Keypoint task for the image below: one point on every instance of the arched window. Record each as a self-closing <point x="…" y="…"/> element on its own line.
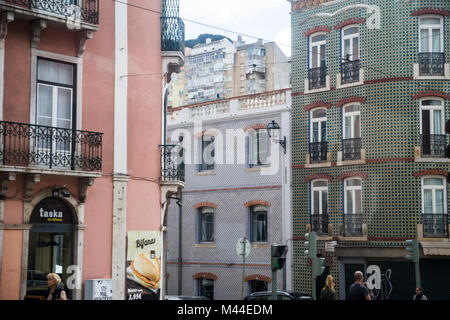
<point x="319" y="206"/>
<point x="318" y="146"/>
<point x="353" y="216"/>
<point x="317" y="71"/>
<point x="432" y="127"/>
<point x="351" y="135"/>
<point x="434" y="216"/>
<point x="431" y="46"/>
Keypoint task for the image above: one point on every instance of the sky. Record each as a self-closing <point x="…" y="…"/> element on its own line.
<point x="266" y="19"/>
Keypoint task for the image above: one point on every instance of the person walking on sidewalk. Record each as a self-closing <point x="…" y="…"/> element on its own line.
<point x="328" y="292"/>
<point x="357" y="290"/>
<point x="419" y="295"/>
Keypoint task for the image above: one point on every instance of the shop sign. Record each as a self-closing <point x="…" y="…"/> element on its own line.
<point x="51" y="210"/>
<point x="143" y="265"/>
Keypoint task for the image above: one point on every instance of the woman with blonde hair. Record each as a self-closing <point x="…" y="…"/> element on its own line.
<point x="328" y="292"/>
<point x="55" y="289"/>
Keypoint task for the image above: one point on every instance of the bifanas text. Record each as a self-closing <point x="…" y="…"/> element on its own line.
<point x="141" y="243"/>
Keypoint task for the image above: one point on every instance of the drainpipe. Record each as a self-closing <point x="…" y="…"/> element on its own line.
<point x="180" y="243"/>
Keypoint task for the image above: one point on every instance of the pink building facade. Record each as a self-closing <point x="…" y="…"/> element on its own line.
<point x="82" y="88"/>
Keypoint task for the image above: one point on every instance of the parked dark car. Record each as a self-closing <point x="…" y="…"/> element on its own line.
<point x="281" y="295"/>
<point x="186" y="298"/>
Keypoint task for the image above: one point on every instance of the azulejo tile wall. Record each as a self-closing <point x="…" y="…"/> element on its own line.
<point x="390" y="122"/>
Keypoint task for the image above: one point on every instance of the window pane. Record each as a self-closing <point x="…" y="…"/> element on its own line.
<point x="316" y="201"/>
<point x="358" y="201"/>
<point x="324" y="131"/>
<point x="436" y="40"/>
<point x="262" y="146"/>
<point x="424" y="40"/>
<point x="349" y="203"/>
<point x="56" y="72"/>
<point x="314" y="56"/>
<point x="348" y="129"/>
<point x="426" y="122"/>
<point x="320" y="37"/>
<point x="320" y="113"/>
<point x="433" y="182"/>
<point x="207" y="225"/>
<point x="437" y="122"/>
<point x="259" y="226"/>
<point x="64" y="106"/>
<point x="347" y="48"/>
<point x="315" y="136"/>
<point x="430" y="21"/>
<point x="352" y="108"/>
<point x="357" y="125"/>
<point x="440" y="201"/>
<point x="355" y="49"/>
<point x="322" y="55"/>
<point x="428" y="201"/>
<point x="44" y="101"/>
<point x="431" y="103"/>
<point x="353" y="182"/>
<point x="320" y="183"/>
<point x="349" y="31"/>
<point x="324" y="202"/>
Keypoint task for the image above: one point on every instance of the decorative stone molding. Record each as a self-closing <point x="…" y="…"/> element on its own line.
<point x="84" y="184"/>
<point x="36" y="27"/>
<point x="259" y="277"/>
<point x="29" y="181"/>
<point x="317" y="105"/>
<point x="5" y="18"/>
<point x="5" y="178"/>
<point x="350" y="22"/>
<point x="352" y="174"/>
<point x="202" y="275"/>
<point x="355" y="99"/>
<point x="317" y="176"/>
<point x="257" y="202"/>
<point x="317" y="29"/>
<point x="431" y="93"/>
<point x="205" y="204"/>
<point x="82" y="37"/>
<point x="431" y="172"/>
<point x="422" y="11"/>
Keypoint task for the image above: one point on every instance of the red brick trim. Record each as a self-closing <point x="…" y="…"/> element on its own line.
<point x="350" y="100"/>
<point x="390" y="160"/>
<point x="317" y="29"/>
<point x="256" y="126"/>
<point x="350" y="21"/>
<point x="352" y="174"/>
<point x="205" y="204"/>
<point x="431" y="93"/>
<point x="318" y="104"/>
<point x="258" y="277"/>
<point x="316" y="176"/>
<point x="234" y="189"/>
<point x="431" y="172"/>
<point x="202" y="275"/>
<point x="423" y="11"/>
<point x="257" y="202"/>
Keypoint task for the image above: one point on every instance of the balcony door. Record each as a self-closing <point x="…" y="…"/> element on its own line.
<point x="318" y="135"/>
<point x="434" y="207"/>
<point x="432" y="127"/>
<point x="54" y="113"/>
<point x="319" y="206"/>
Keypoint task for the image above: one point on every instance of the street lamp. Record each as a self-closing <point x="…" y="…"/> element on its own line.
<point x="273" y="130"/>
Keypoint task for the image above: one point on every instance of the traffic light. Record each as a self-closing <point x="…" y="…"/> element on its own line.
<point x="412" y="246"/>
<point x="318" y="266"/>
<point x="311" y="245"/>
<point x="278" y="256"/>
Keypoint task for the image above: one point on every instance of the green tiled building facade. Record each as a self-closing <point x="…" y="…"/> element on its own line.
<point x="370" y="91"/>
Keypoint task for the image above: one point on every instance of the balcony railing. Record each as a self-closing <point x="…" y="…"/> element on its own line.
<point x="435" y="225"/>
<point x="30" y="145"/>
<point x="86" y="11"/>
<point x="351" y="149"/>
<point x="319" y="223"/>
<point x="353" y="224"/>
<point x="431" y="64"/>
<point x="318" y="151"/>
<point x="350" y="71"/>
<point x="172" y="164"/>
<point x="317" y="78"/>
<point x="433" y="145"/>
<point x="172" y="34"/>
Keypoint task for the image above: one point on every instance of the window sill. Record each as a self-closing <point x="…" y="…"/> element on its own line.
<point x="323" y="237"/>
<point x="205" y="245"/>
<point x="308" y="163"/>
<point x="446" y="75"/>
<point x="339" y="85"/>
<point x="418" y="157"/>
<point x="326" y="88"/>
<point x="341" y="162"/>
<point x="205" y="173"/>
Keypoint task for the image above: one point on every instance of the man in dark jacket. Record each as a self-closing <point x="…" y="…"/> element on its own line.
<point x="357" y="290"/>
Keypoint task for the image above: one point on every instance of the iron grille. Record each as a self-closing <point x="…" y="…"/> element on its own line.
<point x="353" y="223"/>
<point x="172" y="34"/>
<point x="318" y="151"/>
<point x="26" y="145"/>
<point x="433" y="145"/>
<point x="351" y="149"/>
<point x="435" y="225"/>
<point x="350" y="71"/>
<point x="431" y="64"/>
<point x="172" y="164"/>
<point x="319" y="223"/>
<point x="85" y="10"/>
<point x="317" y="78"/>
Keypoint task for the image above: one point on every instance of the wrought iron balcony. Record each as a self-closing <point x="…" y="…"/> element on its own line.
<point x="350" y="71"/>
<point x="172" y="34"/>
<point x="353" y="224"/>
<point x="30" y="145"/>
<point x="318" y="151"/>
<point x="172" y="164"/>
<point x="435" y="225"/>
<point x="317" y="78"/>
<point x="433" y="145"/>
<point x="431" y="64"/>
<point x="319" y="223"/>
<point x="86" y="11"/>
<point x="351" y="149"/>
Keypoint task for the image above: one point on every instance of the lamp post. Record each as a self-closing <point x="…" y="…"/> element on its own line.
<point x="273" y="130"/>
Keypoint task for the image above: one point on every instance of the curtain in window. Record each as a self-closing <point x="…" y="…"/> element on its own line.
<point x="262" y="147"/>
<point x="436" y="40"/>
<point x="428" y="201"/>
<point x="207" y="226"/>
<point x="437" y="123"/>
<point x="259" y="224"/>
<point x="424" y="40"/>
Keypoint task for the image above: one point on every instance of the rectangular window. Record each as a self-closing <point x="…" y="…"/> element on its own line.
<point x="207" y="153"/>
<point x="206" y="288"/>
<point x="258" y="224"/>
<point x="350" y="55"/>
<point x="206" y="224"/>
<point x="433" y="138"/>
<point x="431" y="46"/>
<point x="258" y="142"/>
<point x="351" y="142"/>
<point x="319" y="206"/>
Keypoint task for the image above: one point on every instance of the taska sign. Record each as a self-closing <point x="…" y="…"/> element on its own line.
<point x="51" y="216"/>
<point x="51" y="210"/>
